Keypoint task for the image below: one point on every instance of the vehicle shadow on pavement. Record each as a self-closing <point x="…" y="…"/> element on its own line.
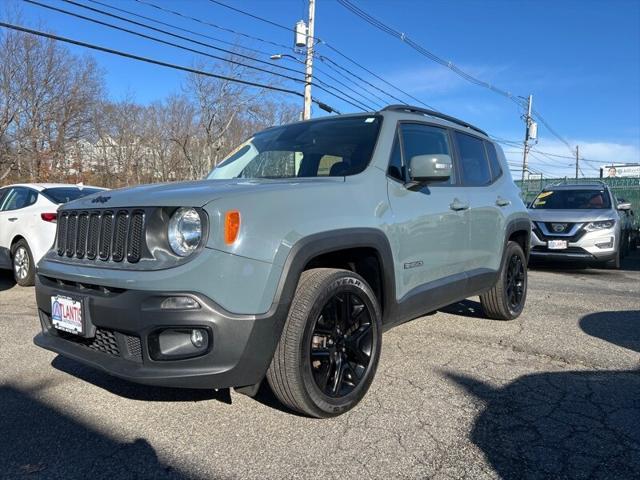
<point x="134" y="391"/>
<point x="7" y="281"/>
<point x="621" y="328"/>
<point x="465" y="308"/>
<point x="40" y="441"/>
<point x="578" y="424"/>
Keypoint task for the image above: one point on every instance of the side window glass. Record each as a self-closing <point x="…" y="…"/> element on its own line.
<point x="494" y="163"/>
<point x="396" y="169"/>
<point x="3" y="194"/>
<point x="17" y="198"/>
<point x="475" y="166"/>
<point x="425" y="140"/>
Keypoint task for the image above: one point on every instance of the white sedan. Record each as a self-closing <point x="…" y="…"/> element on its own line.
<point x="28" y="223"/>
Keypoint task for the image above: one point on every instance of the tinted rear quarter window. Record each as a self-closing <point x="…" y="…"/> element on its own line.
<point x="67" y="194"/>
<point x="473" y="159"/>
<point x="494" y="163"/>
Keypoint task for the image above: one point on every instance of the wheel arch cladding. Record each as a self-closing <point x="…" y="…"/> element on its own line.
<point x="363" y="250"/>
<point x="519" y="231"/>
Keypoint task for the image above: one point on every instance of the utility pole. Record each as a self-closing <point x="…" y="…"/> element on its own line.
<point x="308" y="76"/>
<point x="577" y="159"/>
<point x="527" y="122"/>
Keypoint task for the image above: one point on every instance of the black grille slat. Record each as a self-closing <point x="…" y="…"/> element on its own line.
<point x="71" y="234"/>
<point x="81" y="239"/>
<point x="110" y="235"/>
<point x="136" y="231"/>
<point x="92" y="236"/>
<point x="106" y="232"/>
<point x="62" y="233"/>
<point x="120" y="236"/>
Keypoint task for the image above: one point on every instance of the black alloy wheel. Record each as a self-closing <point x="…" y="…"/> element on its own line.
<point x="515" y="281"/>
<point x="341" y="344"/>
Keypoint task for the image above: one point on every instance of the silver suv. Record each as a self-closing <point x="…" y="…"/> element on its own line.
<point x="290" y="259"/>
<point x="579" y="222"/>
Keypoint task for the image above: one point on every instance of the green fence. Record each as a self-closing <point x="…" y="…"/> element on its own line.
<point x="623" y="187"/>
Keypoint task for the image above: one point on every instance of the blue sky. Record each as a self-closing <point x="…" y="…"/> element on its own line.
<point x="580" y="60"/>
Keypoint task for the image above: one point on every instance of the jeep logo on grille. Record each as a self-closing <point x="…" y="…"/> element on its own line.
<point x="559" y="227"/>
<point x="100" y="199"/>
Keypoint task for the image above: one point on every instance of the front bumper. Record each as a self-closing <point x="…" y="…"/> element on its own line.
<point x="240" y="355"/>
<point x="586" y="247"/>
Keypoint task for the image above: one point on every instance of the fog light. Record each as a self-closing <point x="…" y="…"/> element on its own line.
<point x="198" y="337"/>
<point x="179" y="343"/>
<point x="179" y="303"/>
<point x="609" y="244"/>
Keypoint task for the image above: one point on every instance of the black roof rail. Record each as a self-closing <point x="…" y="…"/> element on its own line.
<point x="432" y="113"/>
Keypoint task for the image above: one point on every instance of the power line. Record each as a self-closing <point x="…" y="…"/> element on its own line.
<point x="182" y="47"/>
<point x="186" y="30"/>
<point x="448" y="64"/>
<point x="159" y="30"/>
<point x="420" y="49"/>
<point x="256" y="17"/>
<point x="322" y="42"/>
<point x="157" y="62"/>
<point x="213" y="25"/>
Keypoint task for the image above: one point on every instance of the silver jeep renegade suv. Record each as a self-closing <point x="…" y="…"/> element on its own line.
<point x="577" y="222"/>
<point x="289" y="261"/>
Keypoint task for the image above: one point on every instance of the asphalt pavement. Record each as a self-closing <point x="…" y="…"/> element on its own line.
<point x="554" y="394"/>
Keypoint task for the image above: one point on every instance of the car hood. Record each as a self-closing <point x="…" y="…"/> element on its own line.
<point x="570" y="216"/>
<point x="188" y="194"/>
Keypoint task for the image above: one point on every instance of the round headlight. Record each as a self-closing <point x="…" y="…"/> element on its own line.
<point x="185" y="231"/>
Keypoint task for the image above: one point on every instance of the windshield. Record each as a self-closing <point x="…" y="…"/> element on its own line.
<point x="322" y="148"/>
<point x="572" y="200"/>
<point x="67" y="194"/>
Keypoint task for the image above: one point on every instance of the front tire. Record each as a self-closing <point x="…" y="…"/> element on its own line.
<point x="24" y="270"/>
<point x="330" y="345"/>
<point x="505" y="301"/>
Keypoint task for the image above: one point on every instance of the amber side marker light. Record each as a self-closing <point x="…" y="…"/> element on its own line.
<point x="231" y="226"/>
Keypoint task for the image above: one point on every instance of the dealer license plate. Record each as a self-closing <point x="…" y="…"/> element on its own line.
<point x="66" y="314"/>
<point x="557" y="244"/>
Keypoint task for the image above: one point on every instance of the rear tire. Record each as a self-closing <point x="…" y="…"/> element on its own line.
<point x="506" y="299"/>
<point x="24" y="270"/>
<point x="328" y="353"/>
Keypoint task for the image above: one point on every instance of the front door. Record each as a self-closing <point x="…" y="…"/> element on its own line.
<point x="430" y="233"/>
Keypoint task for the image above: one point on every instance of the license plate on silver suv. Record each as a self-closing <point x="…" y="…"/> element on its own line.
<point x="557" y="244"/>
<point x="66" y="314"/>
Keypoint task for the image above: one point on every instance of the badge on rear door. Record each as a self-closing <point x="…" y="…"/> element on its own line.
<point x="66" y="314"/>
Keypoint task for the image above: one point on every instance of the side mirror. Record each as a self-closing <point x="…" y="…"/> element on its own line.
<point x="430" y="168"/>
<point x="624" y="206"/>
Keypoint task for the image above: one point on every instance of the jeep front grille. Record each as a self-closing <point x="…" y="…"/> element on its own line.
<point x="109" y="235"/>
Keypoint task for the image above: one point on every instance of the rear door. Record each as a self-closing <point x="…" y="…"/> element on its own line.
<point x="481" y="176"/>
<point x="15" y="217"/>
<point x="430" y="231"/>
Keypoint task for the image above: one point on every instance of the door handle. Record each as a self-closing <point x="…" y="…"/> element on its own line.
<point x="502" y="202"/>
<point x="13" y="219"/>
<point x="457" y="205"/>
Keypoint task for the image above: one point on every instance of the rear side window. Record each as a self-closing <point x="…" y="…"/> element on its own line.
<point x="67" y="194"/>
<point x="425" y="140"/>
<point x="18" y="198"/>
<point x="494" y="163"/>
<point x="474" y="162"/>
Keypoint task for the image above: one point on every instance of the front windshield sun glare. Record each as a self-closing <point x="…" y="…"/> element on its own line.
<point x="333" y="147"/>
